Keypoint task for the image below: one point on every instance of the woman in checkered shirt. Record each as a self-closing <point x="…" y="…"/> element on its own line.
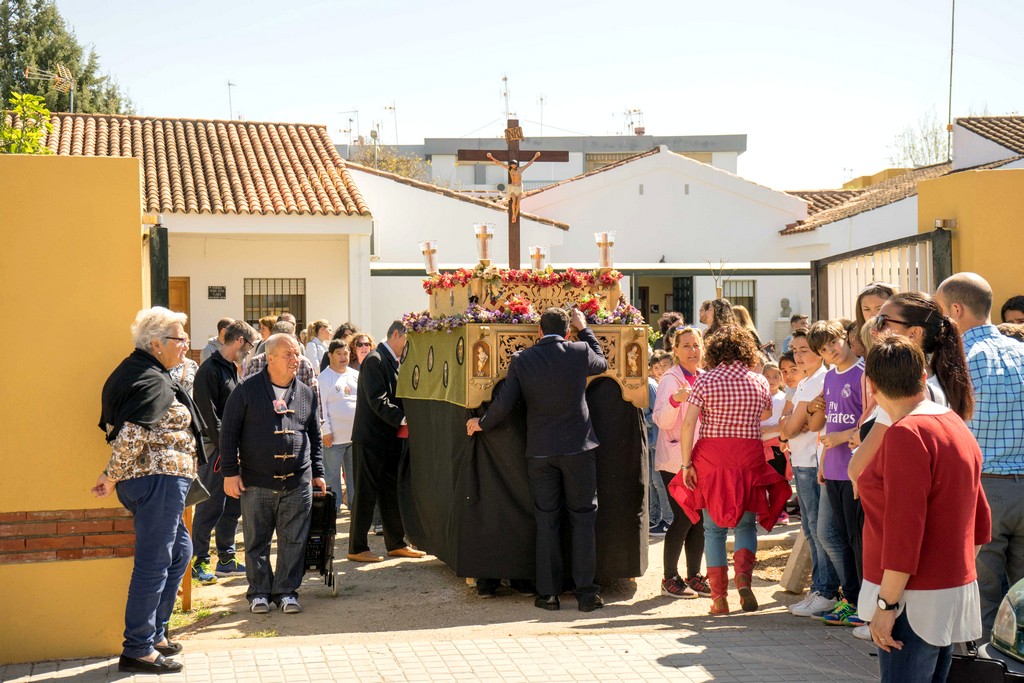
<point x="725" y="473"/>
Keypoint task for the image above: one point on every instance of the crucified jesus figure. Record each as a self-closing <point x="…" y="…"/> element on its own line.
<point x="515" y="178"/>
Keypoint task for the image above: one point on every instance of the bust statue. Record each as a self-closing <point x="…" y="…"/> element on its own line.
<point x="786" y="311"/>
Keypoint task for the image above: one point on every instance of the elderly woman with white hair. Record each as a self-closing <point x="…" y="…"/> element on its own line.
<point x="154" y="431"/>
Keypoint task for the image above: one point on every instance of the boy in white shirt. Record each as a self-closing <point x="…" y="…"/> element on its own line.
<point x="799" y="427"/>
<point x="338" y="383"/>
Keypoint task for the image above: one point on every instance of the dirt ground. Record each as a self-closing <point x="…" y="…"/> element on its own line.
<point x="425" y="600"/>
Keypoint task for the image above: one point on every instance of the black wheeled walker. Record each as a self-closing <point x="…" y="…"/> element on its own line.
<point x="320" y="542"/>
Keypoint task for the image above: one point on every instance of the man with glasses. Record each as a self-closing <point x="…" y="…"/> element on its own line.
<point x="996" y="365"/>
<point x="215" y="380"/>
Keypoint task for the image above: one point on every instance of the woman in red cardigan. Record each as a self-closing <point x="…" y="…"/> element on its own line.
<point x="925" y="516"/>
<point x="725" y="473"/>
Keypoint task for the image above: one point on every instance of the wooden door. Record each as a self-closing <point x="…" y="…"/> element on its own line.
<point x="178" y="299"/>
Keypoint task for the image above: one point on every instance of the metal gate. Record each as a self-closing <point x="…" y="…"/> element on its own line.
<point x="916" y="263"/>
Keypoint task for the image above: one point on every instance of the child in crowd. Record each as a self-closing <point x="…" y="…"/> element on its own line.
<point x="659" y="363"/>
<point x="799" y="427"/>
<point x="791" y="374"/>
<point x="770" y="427"/>
<point x="843" y="409"/>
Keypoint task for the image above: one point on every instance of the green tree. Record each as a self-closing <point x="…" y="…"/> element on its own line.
<point x="32" y="122"/>
<point x="33" y="34"/>
<point x="388" y="159"/>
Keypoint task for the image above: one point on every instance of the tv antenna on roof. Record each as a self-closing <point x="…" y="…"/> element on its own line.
<point x="505" y="95"/>
<point x="62" y="80"/>
<point x="231" y="112"/>
<point x="634" y="121"/>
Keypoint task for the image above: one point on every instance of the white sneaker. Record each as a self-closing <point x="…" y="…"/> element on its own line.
<point x="290" y="605"/>
<point x="816" y="607"/>
<point x="862" y="632"/>
<point x="259" y="606"/>
<point x="803" y="602"/>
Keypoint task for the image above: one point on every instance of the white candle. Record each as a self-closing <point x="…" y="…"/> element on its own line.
<point x="538" y="255"/>
<point x="484" y="235"/>
<point x="429" y="251"/>
<point x="605" y="242"/>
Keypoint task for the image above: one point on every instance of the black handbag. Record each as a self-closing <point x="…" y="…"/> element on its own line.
<point x="197" y="493"/>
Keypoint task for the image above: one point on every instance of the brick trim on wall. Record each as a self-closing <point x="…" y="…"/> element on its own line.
<point x="53" y="535"/>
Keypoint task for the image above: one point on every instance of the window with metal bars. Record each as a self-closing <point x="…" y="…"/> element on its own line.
<point x="742" y="293"/>
<point x="273" y="296"/>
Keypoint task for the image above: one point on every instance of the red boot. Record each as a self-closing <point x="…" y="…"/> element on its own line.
<point x="718" y="577"/>
<point x="743" y="566"/>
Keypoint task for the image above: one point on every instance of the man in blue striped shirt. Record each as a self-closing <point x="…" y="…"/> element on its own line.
<point x="996" y="365"/>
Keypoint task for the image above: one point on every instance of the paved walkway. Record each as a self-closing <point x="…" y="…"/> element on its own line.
<point x="730" y="655"/>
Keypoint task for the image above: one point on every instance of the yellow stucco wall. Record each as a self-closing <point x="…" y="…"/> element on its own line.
<point x="71" y="281"/>
<point x="989" y="237"/>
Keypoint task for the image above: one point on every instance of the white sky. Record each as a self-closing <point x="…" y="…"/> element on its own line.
<point x="820" y="87"/>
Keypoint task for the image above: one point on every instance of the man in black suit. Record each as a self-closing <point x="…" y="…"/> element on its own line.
<point x="560" y="442"/>
<point x="377" y="449"/>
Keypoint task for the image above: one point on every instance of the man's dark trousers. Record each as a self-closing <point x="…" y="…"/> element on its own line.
<point x="376" y="482"/>
<point x="569" y="482"/>
<point x="219" y="514"/>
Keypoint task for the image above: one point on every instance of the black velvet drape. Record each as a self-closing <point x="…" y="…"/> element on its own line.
<point x="467" y="500"/>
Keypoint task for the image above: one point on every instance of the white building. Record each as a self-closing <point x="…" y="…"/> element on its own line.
<point x="407" y="212"/>
<point x="261" y="217"/>
<point x="673" y="215"/>
<point x="458" y="163"/>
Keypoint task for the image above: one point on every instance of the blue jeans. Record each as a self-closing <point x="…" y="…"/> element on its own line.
<point x="338" y="462"/>
<point x="811" y="494"/>
<point x="219" y="513"/>
<point x="917" y="662"/>
<point x="659" y="508"/>
<point x="163" y="551"/>
<point x="1001" y="562"/>
<point x="714" y="538"/>
<point x="287" y="512"/>
<point x="829" y="536"/>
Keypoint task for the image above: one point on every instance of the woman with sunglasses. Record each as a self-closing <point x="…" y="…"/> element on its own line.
<point x="360" y="347"/>
<point x="916" y="316"/>
<point x="155" y="435"/>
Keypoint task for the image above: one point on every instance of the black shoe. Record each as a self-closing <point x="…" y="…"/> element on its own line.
<point x="161" y="665"/>
<point x="168" y="650"/>
<point x="486" y="591"/>
<point x="548" y="602"/>
<point x="523" y="587"/>
<point x="591" y="604"/>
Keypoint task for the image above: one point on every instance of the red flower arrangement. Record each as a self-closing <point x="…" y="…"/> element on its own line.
<point x="445" y="281"/>
<point x="569" y="278"/>
<point x="517" y="306"/>
<point x="590" y="306"/>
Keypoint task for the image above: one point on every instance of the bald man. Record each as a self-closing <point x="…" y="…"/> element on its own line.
<point x="996" y="365"/>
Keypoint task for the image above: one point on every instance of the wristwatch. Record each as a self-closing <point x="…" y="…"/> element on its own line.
<point x="886" y="606"/>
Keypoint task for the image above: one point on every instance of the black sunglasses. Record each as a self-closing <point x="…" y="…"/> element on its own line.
<point x="881" y="320"/>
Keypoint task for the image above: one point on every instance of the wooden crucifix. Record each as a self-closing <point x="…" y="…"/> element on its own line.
<point x="514" y="189"/>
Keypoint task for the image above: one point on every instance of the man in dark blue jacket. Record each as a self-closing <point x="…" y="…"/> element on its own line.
<point x="551" y="377"/>
<point x="270" y="454"/>
<point x="215" y="380"/>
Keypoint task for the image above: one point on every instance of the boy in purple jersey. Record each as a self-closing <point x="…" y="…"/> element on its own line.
<point x="843" y="407"/>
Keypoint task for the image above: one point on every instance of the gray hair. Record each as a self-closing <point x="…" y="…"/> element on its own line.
<point x="154" y="324"/>
<point x="283" y="327"/>
<point x="275" y="341"/>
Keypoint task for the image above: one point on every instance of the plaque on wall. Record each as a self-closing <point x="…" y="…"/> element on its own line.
<point x="217" y="292"/>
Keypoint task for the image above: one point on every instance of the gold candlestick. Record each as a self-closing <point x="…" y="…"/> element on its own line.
<point x="605" y="242"/>
<point x="538" y="256"/>
<point x="484" y="235"/>
<point x="429" y="251"/>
